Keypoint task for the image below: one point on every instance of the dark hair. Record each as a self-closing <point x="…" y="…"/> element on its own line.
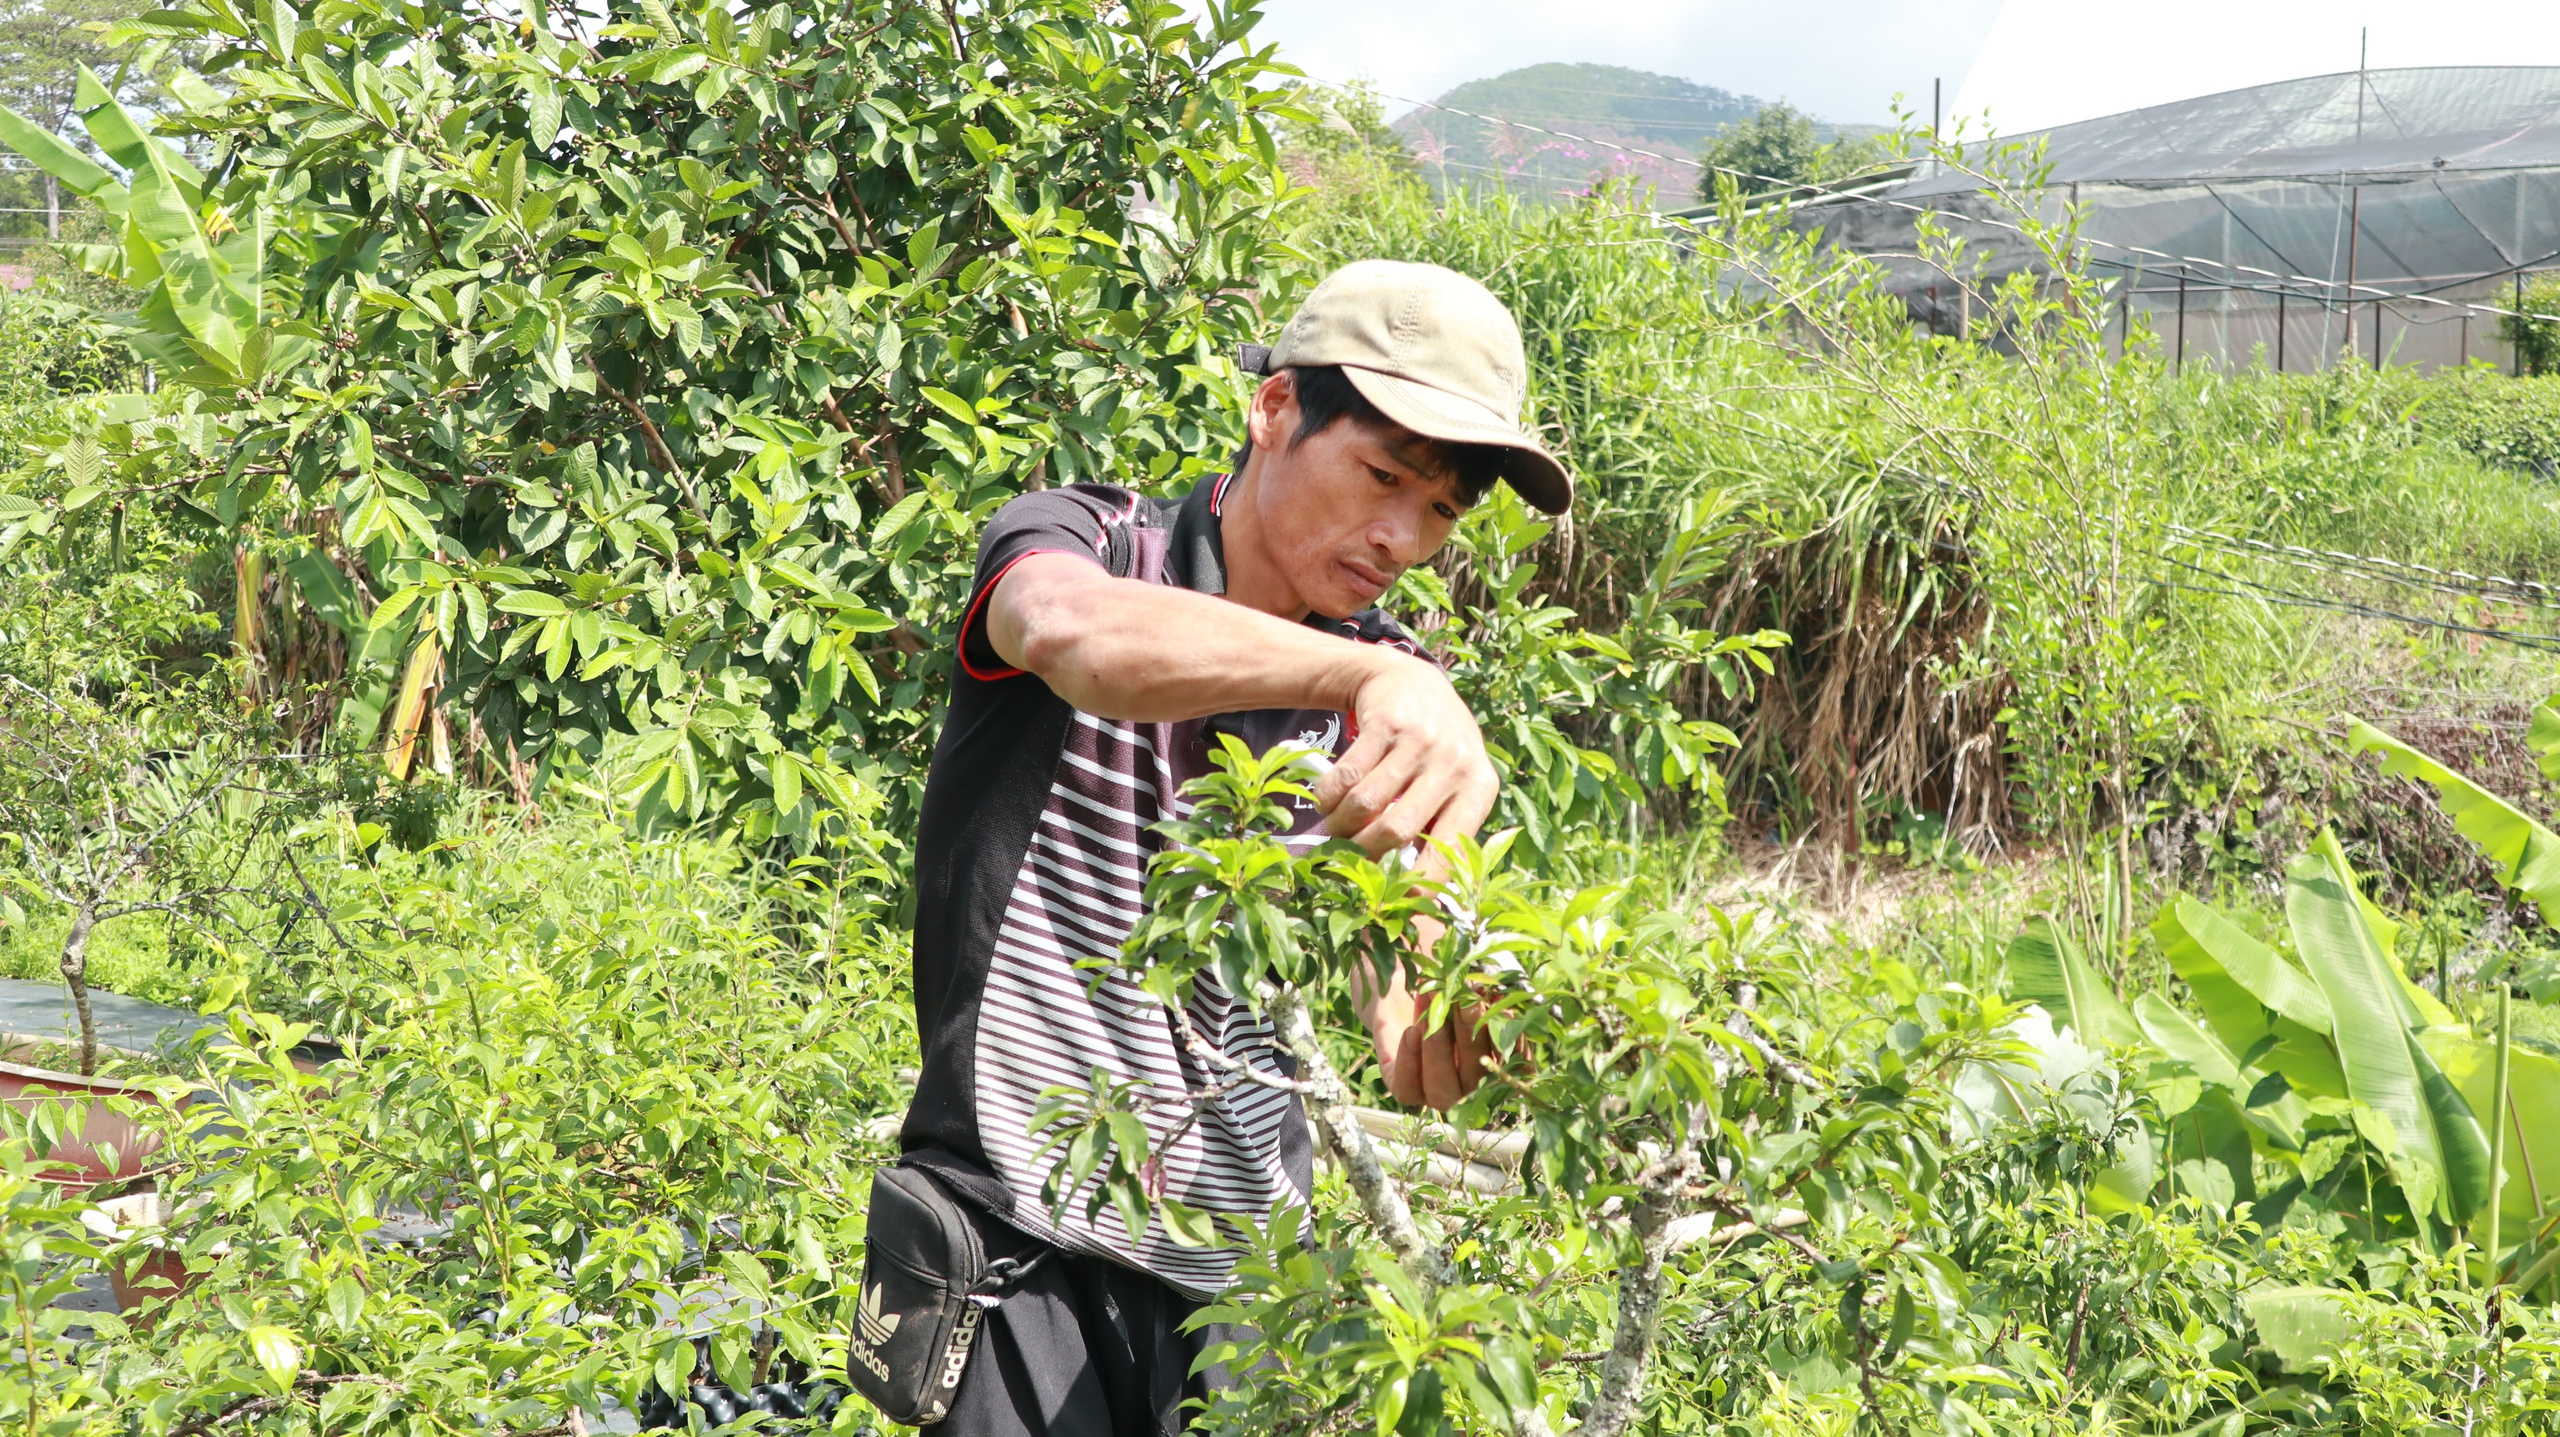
<point x="1326" y="396"/>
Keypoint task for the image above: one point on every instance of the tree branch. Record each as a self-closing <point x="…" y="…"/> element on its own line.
<point x="1641" y="1285"/>
<point x="1329" y="1107"/>
<point x="659" y="454"/>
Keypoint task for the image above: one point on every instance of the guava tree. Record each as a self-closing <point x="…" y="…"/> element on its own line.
<point x="648" y="369"/>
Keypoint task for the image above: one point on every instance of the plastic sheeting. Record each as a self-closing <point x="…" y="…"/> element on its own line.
<point x="2289" y="222"/>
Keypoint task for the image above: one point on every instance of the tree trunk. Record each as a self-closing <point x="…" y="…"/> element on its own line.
<point x="75" y="973"/>
<point x="1329" y="1108"/>
<point x="1641" y="1285"/>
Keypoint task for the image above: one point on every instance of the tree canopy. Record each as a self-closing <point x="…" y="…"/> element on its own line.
<point x="653" y="375"/>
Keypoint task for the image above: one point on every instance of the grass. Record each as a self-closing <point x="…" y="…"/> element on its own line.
<point x="133" y="956"/>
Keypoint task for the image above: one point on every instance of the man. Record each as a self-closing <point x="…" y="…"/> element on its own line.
<point x="1108" y="641"/>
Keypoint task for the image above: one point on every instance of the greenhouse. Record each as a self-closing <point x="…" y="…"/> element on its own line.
<point x="2387" y="214"/>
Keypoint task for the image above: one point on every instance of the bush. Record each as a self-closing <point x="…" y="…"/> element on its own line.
<point x="2513" y="422"/>
<point x="2537" y="341"/>
<point x="594" y="1093"/>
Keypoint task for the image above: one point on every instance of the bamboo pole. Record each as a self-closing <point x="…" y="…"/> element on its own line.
<point x="2498" y="1132"/>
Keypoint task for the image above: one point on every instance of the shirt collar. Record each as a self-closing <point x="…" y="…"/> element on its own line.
<point x="1197" y="552"/>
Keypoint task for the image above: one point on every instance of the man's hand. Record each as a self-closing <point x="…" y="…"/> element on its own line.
<point x="1418" y="769"/>
<point x="1435" y="1070"/>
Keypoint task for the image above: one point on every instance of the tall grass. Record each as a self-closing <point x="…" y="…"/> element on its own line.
<point x="1960" y="533"/>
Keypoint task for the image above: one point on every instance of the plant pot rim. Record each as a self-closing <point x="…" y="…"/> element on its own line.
<point x="54" y="1077"/>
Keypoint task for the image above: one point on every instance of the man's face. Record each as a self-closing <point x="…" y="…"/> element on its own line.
<point x="1349" y="509"/>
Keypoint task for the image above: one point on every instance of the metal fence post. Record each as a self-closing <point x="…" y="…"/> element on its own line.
<point x="2179" y="364"/>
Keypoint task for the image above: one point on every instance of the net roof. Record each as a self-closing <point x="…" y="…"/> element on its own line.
<point x="2333" y="189"/>
<point x="2373" y="122"/>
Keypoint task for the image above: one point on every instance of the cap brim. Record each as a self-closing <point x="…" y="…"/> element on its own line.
<point x="1434" y="414"/>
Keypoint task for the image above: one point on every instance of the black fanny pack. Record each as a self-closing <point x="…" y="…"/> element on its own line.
<point x="926" y="1287"/>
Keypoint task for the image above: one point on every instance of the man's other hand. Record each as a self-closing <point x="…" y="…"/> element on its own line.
<point x="1418" y="768"/>
<point x="1437" y="1070"/>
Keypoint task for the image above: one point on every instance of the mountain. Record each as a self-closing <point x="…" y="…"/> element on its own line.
<point x="1635" y="108"/>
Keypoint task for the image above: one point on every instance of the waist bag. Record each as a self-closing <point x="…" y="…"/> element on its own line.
<point x="926" y="1287"/>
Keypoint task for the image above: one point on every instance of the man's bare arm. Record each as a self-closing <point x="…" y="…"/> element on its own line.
<point x="1152" y="653"/>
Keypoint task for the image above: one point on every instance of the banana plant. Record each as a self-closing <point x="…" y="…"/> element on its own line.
<point x="2297" y="1060"/>
<point x="2330" y="1050"/>
<point x="200" y="265"/>
<point x="2527" y="1102"/>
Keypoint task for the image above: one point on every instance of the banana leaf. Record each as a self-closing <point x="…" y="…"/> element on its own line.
<point x="2279" y="1121"/>
<point x="2211" y="1152"/>
<point x="2251" y="995"/>
<point x="2543" y="737"/>
<point x="2527" y="854"/>
<point x="2045" y="967"/>
<point x="2533" y="1118"/>
<point x="2438" y="1153"/>
<point x="2301" y="1325"/>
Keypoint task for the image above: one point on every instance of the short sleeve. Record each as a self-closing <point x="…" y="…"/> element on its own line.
<point x="1072" y="520"/>
<point x="1377" y="626"/>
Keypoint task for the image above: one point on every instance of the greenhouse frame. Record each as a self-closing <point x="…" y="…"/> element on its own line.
<point x="2384" y="215"/>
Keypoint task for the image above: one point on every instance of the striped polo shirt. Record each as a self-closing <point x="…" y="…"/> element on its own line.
<point x="1032" y="852"/>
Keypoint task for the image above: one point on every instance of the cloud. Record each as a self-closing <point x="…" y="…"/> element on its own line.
<point x="1845" y="62"/>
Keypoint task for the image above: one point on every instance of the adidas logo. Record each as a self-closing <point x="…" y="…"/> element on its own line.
<point x="877" y="1326"/>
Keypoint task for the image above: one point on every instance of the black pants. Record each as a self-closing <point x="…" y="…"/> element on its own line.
<point x="1080" y="1347"/>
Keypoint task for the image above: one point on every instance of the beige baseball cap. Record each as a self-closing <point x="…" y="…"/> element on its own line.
<point x="1435" y="352"/>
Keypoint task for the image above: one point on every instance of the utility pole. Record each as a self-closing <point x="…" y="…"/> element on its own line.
<point x="2364" y="40"/>
<point x="1937" y="99"/>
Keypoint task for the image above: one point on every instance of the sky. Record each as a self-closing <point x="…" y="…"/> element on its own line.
<point x="2049" y="62"/>
<point x="1845" y="68"/>
<point x="2026" y="63"/>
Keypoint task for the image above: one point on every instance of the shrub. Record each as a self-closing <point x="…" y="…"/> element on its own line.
<point x="654" y="375"/>
<point x="593" y="1095"/>
<point x="2537" y="341"/>
<point x="2513" y="422"/>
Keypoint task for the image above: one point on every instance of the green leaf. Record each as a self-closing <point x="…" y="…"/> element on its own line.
<point x="951" y="404"/>
<point x="78" y="173"/>
<point x="2441" y="1157"/>
<point x="533" y="602"/>
<point x="346" y="1303"/>
<point x="786" y="783"/>
<point x="2232" y="971"/>
<point x="2046" y="968"/>
<point x="278" y="1354"/>
<point x="2304" y="1326"/>
<point x="2527" y="854"/>
<point x="2543" y="737"/>
<point x="2177" y="1035"/>
<point x="900" y="515"/>
<point x="2252" y="997"/>
<point x="2533" y="1115"/>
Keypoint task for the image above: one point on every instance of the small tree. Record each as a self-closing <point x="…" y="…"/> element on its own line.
<point x="111" y="765"/>
<point x="1777" y="148"/>
<point x="2537" y="341"/>
<point x="655" y="369"/>
<point x="1653" y="1114"/>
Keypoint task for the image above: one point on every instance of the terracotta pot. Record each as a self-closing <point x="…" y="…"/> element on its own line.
<point x="79" y="1159"/>
<point x="145" y="1283"/>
